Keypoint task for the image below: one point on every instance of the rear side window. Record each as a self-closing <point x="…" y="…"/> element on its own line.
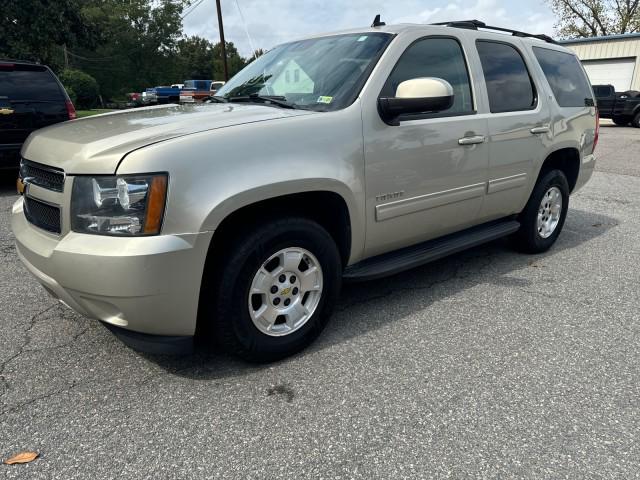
<point x="434" y="57"/>
<point x="29" y="82"/>
<point x="508" y="81"/>
<point x="566" y="78"/>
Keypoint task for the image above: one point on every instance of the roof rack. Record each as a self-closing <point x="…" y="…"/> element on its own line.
<point x="477" y="24"/>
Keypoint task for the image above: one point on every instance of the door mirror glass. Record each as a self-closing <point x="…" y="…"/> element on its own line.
<point x="418" y="95"/>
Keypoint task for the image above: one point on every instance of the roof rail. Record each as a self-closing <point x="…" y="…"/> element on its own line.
<point x="14" y="60"/>
<point x="477" y="24"/>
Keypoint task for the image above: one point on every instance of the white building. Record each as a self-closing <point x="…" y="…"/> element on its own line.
<point x="613" y="60"/>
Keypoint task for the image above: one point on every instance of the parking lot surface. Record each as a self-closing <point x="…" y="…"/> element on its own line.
<point x="487" y="364"/>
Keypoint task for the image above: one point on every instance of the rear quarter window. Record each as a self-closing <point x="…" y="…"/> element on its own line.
<point x="28" y="82"/>
<point x="566" y="78"/>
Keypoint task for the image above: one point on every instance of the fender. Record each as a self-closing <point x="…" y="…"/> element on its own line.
<point x="307" y="185"/>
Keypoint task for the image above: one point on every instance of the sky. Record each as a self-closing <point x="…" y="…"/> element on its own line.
<point x="271" y="22"/>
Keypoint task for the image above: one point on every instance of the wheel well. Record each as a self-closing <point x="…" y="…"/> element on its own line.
<point x="326" y="208"/>
<point x="568" y="161"/>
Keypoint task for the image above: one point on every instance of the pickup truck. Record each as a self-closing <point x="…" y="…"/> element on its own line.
<point x="621" y="107"/>
<point x="199" y="90"/>
<point x="162" y="95"/>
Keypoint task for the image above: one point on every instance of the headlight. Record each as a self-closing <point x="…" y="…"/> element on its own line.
<point x="128" y="205"/>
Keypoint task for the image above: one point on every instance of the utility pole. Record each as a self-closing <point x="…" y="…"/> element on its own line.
<point x="222" y="44"/>
<point x="66" y="57"/>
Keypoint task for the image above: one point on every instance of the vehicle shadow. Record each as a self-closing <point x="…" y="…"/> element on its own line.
<point x="358" y="313"/>
<point x="8" y="182"/>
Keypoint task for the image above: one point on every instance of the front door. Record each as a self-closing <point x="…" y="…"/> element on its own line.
<point x="425" y="177"/>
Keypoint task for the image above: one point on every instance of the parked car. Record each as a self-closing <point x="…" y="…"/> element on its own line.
<point x="390" y="147"/>
<point x="134" y="99"/>
<point x="31" y="97"/>
<point x="168" y="94"/>
<point x="199" y="90"/>
<point x="149" y="97"/>
<point x="621" y="107"/>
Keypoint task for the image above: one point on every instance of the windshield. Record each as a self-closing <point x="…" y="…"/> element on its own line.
<point x="320" y="74"/>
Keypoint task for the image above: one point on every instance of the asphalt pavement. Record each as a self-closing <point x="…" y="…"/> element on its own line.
<point x="487" y="364"/>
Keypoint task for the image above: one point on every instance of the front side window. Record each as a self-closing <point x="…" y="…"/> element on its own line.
<point x="438" y="58"/>
<point x="565" y="76"/>
<point x="508" y="82"/>
<point x="323" y="74"/>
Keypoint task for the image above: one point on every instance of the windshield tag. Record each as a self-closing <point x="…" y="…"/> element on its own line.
<point x="362" y="38"/>
<point x="323" y="99"/>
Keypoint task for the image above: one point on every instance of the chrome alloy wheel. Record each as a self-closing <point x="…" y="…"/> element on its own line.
<point x="285" y="291"/>
<point x="549" y="212"/>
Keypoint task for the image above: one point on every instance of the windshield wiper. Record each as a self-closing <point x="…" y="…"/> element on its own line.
<point x="274" y="99"/>
<point x="216" y="99"/>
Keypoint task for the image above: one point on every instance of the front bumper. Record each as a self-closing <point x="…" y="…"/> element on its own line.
<point x="149" y="285"/>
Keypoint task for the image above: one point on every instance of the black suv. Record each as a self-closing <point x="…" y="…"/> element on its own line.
<point x="31" y="97"/>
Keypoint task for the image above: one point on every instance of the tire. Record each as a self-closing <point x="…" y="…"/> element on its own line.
<point x="636" y="120"/>
<point x="621" y="121"/>
<point x="532" y="236"/>
<point x="240" y="273"/>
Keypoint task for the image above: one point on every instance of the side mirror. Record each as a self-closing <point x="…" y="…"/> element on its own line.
<point x="417" y="95"/>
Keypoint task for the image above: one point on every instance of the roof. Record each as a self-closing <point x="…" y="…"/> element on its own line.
<point x="408" y="27"/>
<point x="605" y="38"/>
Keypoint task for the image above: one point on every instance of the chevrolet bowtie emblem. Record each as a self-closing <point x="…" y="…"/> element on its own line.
<point x="6" y="111"/>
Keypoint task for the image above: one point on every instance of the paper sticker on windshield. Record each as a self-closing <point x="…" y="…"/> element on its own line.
<point x="363" y="38"/>
<point x="324" y="99"/>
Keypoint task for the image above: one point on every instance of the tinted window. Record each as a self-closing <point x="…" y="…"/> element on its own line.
<point x="29" y="83"/>
<point x="439" y="58"/>
<point x="507" y="78"/>
<point x="566" y="78"/>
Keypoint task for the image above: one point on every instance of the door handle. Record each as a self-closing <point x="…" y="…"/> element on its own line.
<point x="539" y="130"/>
<point x="471" y="140"/>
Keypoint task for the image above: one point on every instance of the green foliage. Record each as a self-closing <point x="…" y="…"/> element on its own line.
<point x="592" y="18"/>
<point x="36" y="29"/>
<point x="125" y="45"/>
<point x="84" y="87"/>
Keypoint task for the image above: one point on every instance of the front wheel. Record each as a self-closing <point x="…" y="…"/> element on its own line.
<point x="276" y="289"/>
<point x="636" y="120"/>
<point x="543" y="217"/>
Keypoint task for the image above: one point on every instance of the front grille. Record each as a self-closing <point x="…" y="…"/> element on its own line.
<point x="42" y="215"/>
<point x="41" y="175"/>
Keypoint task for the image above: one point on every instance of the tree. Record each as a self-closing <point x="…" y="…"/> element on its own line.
<point x="84" y="88"/>
<point x="235" y="62"/>
<point x="136" y="43"/>
<point x="591" y="18"/>
<point x="195" y="58"/>
<point x="37" y="29"/>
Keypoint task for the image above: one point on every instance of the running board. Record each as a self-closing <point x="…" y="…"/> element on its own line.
<point x="416" y="255"/>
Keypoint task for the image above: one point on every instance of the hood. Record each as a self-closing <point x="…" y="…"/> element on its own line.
<point x="95" y="145"/>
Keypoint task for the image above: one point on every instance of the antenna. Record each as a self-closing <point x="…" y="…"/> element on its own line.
<point x="377" y="22"/>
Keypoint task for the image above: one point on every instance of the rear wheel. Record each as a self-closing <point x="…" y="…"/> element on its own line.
<point x="275" y="290"/>
<point x="636" y="120"/>
<point x="543" y="217"/>
<point x="621" y="121"/>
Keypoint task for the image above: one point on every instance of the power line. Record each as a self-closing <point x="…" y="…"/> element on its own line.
<point x="191" y="9"/>
<point x="246" y="29"/>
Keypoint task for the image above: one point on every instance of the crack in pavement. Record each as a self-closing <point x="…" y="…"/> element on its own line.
<point x="27" y="333"/>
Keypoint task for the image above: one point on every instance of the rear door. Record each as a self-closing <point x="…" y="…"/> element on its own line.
<point x="519" y="126"/>
<point x="30" y="98"/>
<point x="606" y="98"/>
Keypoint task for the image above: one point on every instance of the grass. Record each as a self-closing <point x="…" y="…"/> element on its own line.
<point x="88" y="113"/>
